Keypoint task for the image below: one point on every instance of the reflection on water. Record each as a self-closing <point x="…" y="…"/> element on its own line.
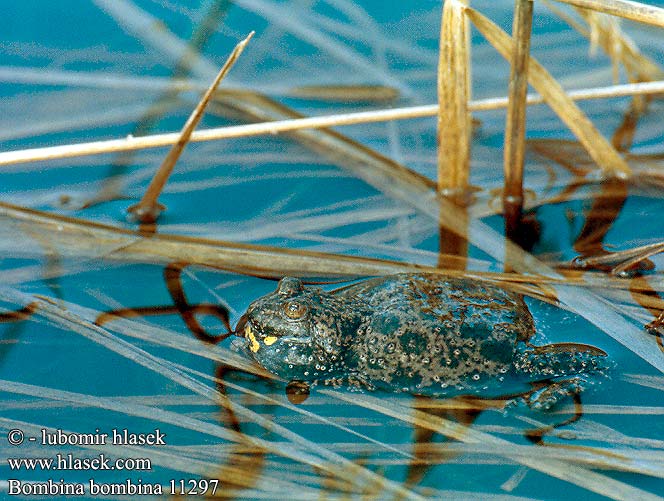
<point x="17" y="315"/>
<point x="188" y="312"/>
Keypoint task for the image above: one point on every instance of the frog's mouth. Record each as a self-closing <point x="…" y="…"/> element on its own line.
<point x="252" y="333"/>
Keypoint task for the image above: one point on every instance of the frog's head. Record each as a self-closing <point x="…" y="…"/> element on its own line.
<point x="296" y="332"/>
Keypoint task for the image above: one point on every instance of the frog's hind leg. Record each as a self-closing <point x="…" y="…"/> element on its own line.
<point x="565" y="369"/>
<point x="560" y="359"/>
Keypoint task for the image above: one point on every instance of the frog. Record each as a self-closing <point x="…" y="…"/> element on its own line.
<point x="420" y="333"/>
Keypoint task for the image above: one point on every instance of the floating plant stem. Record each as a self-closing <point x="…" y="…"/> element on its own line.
<point x="454" y="127"/>
<point x="85" y="239"/>
<point x="148" y="209"/>
<point x="76" y="237"/>
<point x="601" y="150"/>
<point x="515" y="128"/>
<point x="275" y="127"/>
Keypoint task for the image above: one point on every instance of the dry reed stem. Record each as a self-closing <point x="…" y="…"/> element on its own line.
<point x="148" y="209"/>
<point x="453" y="244"/>
<point x="515" y="128"/>
<point x="111" y="186"/>
<point x="76" y="237"/>
<point x="275" y="127"/>
<point x="70" y="236"/>
<point x="604" y="154"/>
<point x="636" y="11"/>
<point x="454" y="125"/>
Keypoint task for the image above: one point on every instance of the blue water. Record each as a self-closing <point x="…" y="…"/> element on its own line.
<point x="275" y="191"/>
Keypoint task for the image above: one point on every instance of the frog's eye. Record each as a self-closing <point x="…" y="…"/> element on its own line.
<point x="294" y="310"/>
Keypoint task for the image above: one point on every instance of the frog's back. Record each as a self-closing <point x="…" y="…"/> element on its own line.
<point x="433" y="334"/>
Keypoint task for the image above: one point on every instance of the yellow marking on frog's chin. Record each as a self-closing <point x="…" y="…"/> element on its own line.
<point x="270" y="340"/>
<point x="249" y="334"/>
